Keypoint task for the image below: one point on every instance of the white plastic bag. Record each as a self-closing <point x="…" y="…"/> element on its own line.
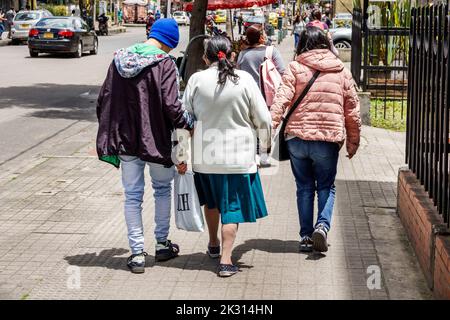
<point x="188" y="213"/>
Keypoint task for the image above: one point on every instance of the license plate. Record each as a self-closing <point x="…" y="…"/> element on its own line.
<point x="24" y="26"/>
<point x="48" y="35"/>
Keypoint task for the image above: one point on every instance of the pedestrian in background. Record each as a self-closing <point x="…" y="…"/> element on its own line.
<point x="297" y="29"/>
<point x="120" y="16"/>
<point x="240" y="22"/>
<point x="2" y="23"/>
<point x="136" y="133"/>
<point x="327" y="116"/>
<point x="10" y="14"/>
<point x="250" y="60"/>
<point x="150" y="20"/>
<point x="228" y="105"/>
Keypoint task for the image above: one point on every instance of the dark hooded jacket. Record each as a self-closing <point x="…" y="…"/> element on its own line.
<point x="138" y="107"/>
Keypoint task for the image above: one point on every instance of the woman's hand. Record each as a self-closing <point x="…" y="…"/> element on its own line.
<point x="182" y="168"/>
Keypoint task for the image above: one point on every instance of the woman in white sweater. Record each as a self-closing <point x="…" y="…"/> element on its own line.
<point x="231" y="113"/>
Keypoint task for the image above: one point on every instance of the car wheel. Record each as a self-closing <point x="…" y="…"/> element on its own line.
<point x="95" y="50"/>
<point x="34" y="53"/>
<point x="342" y="44"/>
<point x="79" y="52"/>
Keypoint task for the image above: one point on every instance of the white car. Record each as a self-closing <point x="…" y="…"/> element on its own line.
<point x="24" y="21"/>
<point x="181" y="17"/>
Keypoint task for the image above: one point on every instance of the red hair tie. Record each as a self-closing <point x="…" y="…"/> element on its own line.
<point x="221" y="55"/>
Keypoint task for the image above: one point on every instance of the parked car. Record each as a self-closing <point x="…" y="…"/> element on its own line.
<point x="342" y="20"/>
<point x="220" y="16"/>
<point x="24" y="21"/>
<point x="342" y="37"/>
<point x="253" y="20"/>
<point x="62" y="35"/>
<point x="181" y="17"/>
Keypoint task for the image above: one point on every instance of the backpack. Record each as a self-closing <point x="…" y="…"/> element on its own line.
<point x="269" y="77"/>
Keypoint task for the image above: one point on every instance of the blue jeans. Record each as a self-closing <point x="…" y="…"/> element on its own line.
<point x="296" y="39"/>
<point x="133" y="182"/>
<point x="314" y="164"/>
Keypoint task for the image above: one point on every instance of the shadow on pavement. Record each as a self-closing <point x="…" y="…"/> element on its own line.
<point x="53" y="101"/>
<point x="113" y="258"/>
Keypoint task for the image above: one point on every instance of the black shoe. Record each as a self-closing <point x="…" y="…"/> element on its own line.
<point x="306" y="244"/>
<point x="136" y="262"/>
<point x="319" y="238"/>
<point x="213" y="252"/>
<point x="227" y="270"/>
<point x="166" y="251"/>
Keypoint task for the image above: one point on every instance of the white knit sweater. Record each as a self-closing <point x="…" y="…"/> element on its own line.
<point x="229" y="118"/>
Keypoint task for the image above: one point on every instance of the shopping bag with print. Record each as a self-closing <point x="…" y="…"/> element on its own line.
<point x="188" y="213"/>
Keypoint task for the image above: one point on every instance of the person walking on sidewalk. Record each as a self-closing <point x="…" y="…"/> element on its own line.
<point x="136" y="132"/>
<point x="230" y="112"/>
<point x="297" y="28"/>
<point x="10" y="14"/>
<point x="250" y="60"/>
<point x="317" y="129"/>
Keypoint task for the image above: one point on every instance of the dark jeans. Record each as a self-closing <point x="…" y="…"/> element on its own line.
<point x="314" y="164"/>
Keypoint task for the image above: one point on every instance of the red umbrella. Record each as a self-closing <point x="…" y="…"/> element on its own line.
<point x="231" y="4"/>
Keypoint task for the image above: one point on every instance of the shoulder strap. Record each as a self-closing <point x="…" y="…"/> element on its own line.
<point x="301" y="97"/>
<point x="269" y="52"/>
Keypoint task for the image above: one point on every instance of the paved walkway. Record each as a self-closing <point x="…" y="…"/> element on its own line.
<point x="62" y="233"/>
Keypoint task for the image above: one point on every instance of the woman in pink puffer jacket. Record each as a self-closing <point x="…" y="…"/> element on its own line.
<point x="327" y="116"/>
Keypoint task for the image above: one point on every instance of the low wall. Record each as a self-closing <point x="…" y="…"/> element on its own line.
<point x="426" y="231"/>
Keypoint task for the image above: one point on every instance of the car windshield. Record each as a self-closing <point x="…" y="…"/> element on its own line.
<point x="177" y="14"/>
<point x="54" y="23"/>
<point x="25" y="16"/>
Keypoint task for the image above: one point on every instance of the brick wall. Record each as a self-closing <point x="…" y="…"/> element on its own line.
<point x="423" y="224"/>
<point x="442" y="268"/>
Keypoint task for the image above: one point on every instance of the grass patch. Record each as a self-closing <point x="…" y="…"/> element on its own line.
<point x="391" y="117"/>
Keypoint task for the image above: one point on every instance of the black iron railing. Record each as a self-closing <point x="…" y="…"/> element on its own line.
<point x="428" y="136"/>
<point x="380" y="62"/>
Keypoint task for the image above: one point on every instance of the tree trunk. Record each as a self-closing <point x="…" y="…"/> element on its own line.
<point x="197" y="27"/>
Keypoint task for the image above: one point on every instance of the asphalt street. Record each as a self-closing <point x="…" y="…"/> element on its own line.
<point x="42" y="97"/>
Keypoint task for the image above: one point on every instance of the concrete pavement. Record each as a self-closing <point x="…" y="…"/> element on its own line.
<point x="63" y="235"/>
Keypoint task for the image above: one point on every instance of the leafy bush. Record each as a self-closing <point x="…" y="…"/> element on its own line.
<point x="57" y="10"/>
<point x="392" y="117"/>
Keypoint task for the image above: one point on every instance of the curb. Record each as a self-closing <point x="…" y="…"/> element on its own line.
<point x="117" y="30"/>
<point x="135" y="25"/>
<point x="4" y="43"/>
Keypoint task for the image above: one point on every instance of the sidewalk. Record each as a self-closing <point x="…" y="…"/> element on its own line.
<point x="61" y="216"/>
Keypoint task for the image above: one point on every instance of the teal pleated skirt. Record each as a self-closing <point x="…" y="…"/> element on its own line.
<point x="238" y="197"/>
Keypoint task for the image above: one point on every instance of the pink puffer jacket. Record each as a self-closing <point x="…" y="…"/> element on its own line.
<point x="330" y="110"/>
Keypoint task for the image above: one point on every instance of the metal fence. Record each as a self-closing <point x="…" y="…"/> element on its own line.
<point x="428" y="136"/>
<point x="380" y="61"/>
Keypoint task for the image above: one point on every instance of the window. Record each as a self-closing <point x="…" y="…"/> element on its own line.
<point x="77" y="24"/>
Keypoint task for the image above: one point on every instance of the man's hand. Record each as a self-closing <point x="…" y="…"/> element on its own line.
<point x="182" y="168"/>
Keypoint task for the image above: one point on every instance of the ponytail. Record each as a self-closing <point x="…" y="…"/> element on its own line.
<point x="218" y="49"/>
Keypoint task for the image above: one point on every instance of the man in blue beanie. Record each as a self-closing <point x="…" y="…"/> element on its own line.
<point x="138" y="108"/>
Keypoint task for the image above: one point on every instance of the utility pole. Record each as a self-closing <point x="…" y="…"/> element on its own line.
<point x="169" y="9"/>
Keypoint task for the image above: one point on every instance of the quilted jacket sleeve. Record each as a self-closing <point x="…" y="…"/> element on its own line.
<point x="351" y="113"/>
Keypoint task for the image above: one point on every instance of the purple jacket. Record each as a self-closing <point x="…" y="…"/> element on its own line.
<point x="138" y="108"/>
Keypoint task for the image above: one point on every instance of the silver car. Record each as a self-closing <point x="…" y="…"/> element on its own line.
<point x="24" y="21"/>
<point x="342" y="37"/>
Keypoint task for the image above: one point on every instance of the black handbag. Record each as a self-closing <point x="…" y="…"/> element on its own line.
<point x="280" y="150"/>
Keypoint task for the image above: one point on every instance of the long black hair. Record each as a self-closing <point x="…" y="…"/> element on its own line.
<point x="313" y="38"/>
<point x="218" y="49"/>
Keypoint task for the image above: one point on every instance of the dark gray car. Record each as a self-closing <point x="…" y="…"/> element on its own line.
<point x="62" y="35"/>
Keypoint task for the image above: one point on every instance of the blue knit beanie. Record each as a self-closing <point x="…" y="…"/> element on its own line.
<point x="165" y="31"/>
